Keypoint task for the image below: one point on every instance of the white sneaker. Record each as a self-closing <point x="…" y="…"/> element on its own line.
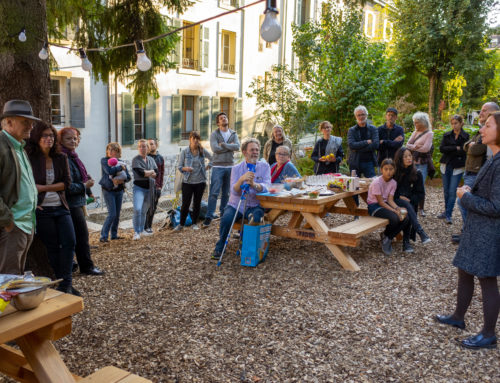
<point x="195" y="227"/>
<point x="178" y="228"/>
<point x="147" y="233"/>
<point x="136" y="237"/>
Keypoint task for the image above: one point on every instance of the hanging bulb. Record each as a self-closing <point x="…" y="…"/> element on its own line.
<point x="22" y="35"/>
<point x="86" y="64"/>
<point x="143" y="61"/>
<point x="271" y="28"/>
<point x="44" y="53"/>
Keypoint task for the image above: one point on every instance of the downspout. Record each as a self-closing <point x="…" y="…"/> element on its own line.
<point x="108" y="93"/>
<point x="116" y="109"/>
<point x="242" y="45"/>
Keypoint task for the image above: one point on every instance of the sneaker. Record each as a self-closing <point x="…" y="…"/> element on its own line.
<point x="136" y="236"/>
<point x="207" y="222"/>
<point x="147" y="233"/>
<point x="387" y="245"/>
<point x="422" y="213"/>
<point x="149" y="230"/>
<point x="195" y="227"/>
<point x="407" y="247"/>
<point x="423" y="237"/>
<point x="441" y="216"/>
<point x="448" y="221"/>
<point x="178" y="228"/>
<point x="216" y="255"/>
<point x="103" y="240"/>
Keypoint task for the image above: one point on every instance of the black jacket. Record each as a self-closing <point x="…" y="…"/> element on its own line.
<point x="452" y="155"/>
<point x="75" y="192"/>
<point x="413" y="190"/>
<point x="388" y="148"/>
<point x="357" y="145"/>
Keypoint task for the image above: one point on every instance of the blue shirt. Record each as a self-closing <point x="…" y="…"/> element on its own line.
<point x="262" y="177"/>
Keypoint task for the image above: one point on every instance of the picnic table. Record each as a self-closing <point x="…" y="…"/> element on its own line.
<point x="34" y="331"/>
<point x="312" y="211"/>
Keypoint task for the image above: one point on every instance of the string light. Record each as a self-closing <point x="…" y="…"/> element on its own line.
<point x="86" y="64"/>
<point x="44" y="53"/>
<point x="22" y="35"/>
<point x="143" y="61"/>
<point x="270" y="29"/>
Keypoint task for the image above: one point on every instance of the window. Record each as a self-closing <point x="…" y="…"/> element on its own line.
<point x="56" y="103"/>
<point x="190" y="47"/>
<point x="303" y="11"/>
<point x="387" y="34"/>
<point x="228" y="3"/>
<point x="225" y="106"/>
<point x="138" y="122"/>
<point x="187" y="116"/>
<point x="228" y="50"/>
<point x="370" y="24"/>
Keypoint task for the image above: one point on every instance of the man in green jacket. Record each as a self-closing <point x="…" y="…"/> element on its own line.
<point x="18" y="192"/>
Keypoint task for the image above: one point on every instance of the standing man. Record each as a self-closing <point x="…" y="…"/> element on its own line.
<point x="258" y="182"/>
<point x="160" y="163"/>
<point x="476" y="156"/>
<point x="18" y="192"/>
<point x="391" y="136"/>
<point x="224" y="142"/>
<point x="363" y="141"/>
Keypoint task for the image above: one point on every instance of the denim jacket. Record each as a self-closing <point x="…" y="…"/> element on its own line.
<point x="186" y="159"/>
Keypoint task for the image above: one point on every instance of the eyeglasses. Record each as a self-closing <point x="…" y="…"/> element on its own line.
<point x="48" y="136"/>
<point x="282" y="154"/>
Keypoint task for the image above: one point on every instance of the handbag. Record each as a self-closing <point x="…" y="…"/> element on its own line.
<point x="178" y="181"/>
<point x="255" y="244"/>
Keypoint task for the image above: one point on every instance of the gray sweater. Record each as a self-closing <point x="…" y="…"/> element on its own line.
<point x="223" y="153"/>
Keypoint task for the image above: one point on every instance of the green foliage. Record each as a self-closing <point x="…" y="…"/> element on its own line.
<point x="341" y="68"/>
<point x="305" y="166"/>
<point x="453" y="91"/>
<point x="493" y="86"/>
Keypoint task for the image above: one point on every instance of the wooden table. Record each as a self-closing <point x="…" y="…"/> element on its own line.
<point x="315" y="229"/>
<point x="34" y="331"/>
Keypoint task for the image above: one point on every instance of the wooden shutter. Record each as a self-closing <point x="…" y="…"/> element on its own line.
<point x="150" y="119"/>
<point x="77" y="103"/>
<point x="215" y="111"/>
<point x="127" y="119"/>
<point x="204" y="46"/>
<point x="178" y="47"/>
<point x="204" y="103"/>
<point x="176" y="129"/>
<point x="238" y="114"/>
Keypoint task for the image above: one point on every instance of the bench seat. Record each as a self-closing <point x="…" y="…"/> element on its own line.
<point x="111" y="374"/>
<point x="353" y="231"/>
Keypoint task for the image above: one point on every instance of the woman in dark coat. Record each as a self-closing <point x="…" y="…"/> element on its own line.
<point x="327" y="153"/>
<point x="479" y="251"/>
<point x="53" y="220"/>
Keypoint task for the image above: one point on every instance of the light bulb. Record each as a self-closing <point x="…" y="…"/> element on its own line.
<point x="44" y="53"/>
<point x="143" y="62"/>
<point x="22" y="35"/>
<point x="271" y="28"/>
<point x="86" y="64"/>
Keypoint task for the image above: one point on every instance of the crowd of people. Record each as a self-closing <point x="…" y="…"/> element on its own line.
<point x="46" y="193"/>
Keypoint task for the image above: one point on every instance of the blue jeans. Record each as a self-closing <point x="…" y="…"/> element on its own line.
<point x="469" y="179"/>
<point x="227" y="219"/>
<point x="450" y="184"/>
<point x="141" y="206"/>
<point x="55" y="228"/>
<point x="423" y="170"/>
<point x="113" y="201"/>
<point x="219" y="183"/>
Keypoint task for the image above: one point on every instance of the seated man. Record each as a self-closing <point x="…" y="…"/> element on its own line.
<point x="257" y="182"/>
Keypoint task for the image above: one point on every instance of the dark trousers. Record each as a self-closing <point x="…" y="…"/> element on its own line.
<point x="113" y="201"/>
<point x="412" y="215"/>
<point x="82" y="247"/>
<point x="191" y="192"/>
<point x="152" y="209"/>
<point x="395" y="224"/>
<point x="55" y="228"/>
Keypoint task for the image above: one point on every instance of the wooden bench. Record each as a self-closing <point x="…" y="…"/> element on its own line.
<point x="111" y="374"/>
<point x="350" y="233"/>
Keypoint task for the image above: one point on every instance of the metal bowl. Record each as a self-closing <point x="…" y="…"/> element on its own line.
<point x="30" y="297"/>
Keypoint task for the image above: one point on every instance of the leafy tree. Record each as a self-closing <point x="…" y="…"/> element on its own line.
<point x="437" y="37"/>
<point x="340" y="67"/>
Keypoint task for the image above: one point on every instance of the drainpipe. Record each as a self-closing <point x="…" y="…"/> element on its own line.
<point x="116" y="109"/>
<point x="108" y="93"/>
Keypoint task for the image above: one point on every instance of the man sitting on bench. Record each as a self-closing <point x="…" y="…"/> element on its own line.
<point x="242" y="178"/>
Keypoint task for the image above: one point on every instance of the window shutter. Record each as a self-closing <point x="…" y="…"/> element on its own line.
<point x="175" y="133"/>
<point x="77" y="103"/>
<point x="204" y="46"/>
<point x="215" y="111"/>
<point x="127" y="119"/>
<point x="238" y="114"/>
<point x="298" y="12"/>
<point x="150" y="119"/>
<point x="204" y="103"/>
<point x="178" y="47"/>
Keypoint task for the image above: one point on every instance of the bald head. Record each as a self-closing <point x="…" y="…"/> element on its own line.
<point x="489" y="107"/>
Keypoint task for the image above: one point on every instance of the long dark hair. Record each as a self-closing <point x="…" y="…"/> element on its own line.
<point x="33" y="144"/>
<point x="401" y="171"/>
<point x="195" y="134"/>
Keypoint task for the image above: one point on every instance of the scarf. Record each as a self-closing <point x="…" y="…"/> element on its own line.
<point x="333" y="145"/>
<point x="81" y="167"/>
<point x="275" y="172"/>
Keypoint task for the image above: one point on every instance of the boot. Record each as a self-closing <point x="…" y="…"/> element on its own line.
<point x="407" y="247"/>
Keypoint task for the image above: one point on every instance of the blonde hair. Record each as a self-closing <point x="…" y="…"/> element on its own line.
<point x="114" y="146"/>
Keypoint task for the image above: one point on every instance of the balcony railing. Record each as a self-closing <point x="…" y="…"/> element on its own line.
<point x="189" y="63"/>
<point x="228" y="68"/>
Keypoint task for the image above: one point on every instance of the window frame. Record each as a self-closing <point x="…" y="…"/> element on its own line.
<point x="230" y="67"/>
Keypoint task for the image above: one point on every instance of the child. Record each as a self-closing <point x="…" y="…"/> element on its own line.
<point x="381" y="204"/>
<point x="122" y="174"/>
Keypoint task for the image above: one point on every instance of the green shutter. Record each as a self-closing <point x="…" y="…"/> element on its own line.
<point x="298" y="13"/>
<point x="204" y="103"/>
<point x="215" y="111"/>
<point x="178" y="47"/>
<point x="238" y="114"/>
<point x="176" y="118"/>
<point x="204" y="46"/>
<point x="150" y="117"/>
<point x="127" y="119"/>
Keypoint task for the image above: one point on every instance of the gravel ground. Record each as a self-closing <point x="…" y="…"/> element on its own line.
<point x="166" y="312"/>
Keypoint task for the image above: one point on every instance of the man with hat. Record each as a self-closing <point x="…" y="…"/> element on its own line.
<point x="391" y="136"/>
<point x="18" y="193"/>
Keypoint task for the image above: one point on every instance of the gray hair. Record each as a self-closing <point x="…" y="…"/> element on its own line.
<point x="492" y="106"/>
<point x="285" y="148"/>
<point x="423" y="118"/>
<point x="362" y="108"/>
<point x="247" y="141"/>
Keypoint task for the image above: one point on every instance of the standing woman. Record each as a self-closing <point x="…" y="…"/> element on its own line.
<point x="420" y="144"/>
<point x="277" y="139"/>
<point x="327" y="146"/>
<point x="53" y="220"/>
<point x="193" y="168"/>
<point x="452" y="163"/>
<point x="75" y="195"/>
<point x="479" y="251"/>
<point x="145" y="172"/>
<point x="112" y="191"/>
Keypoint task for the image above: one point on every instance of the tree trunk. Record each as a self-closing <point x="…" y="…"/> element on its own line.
<point x="433" y="79"/>
<point x="23" y="75"/>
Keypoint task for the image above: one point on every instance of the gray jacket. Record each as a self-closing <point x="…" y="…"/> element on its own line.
<point x="223" y="154"/>
<point x="479" y="250"/>
<point x="186" y="159"/>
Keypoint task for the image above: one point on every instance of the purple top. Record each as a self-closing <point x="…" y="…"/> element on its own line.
<point x="262" y="177"/>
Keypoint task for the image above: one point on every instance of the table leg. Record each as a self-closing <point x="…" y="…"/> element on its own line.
<point x="319" y="226"/>
<point x="44" y="359"/>
<point x="295" y="220"/>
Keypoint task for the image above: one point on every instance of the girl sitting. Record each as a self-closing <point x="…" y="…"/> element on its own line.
<point x="381" y="204"/>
